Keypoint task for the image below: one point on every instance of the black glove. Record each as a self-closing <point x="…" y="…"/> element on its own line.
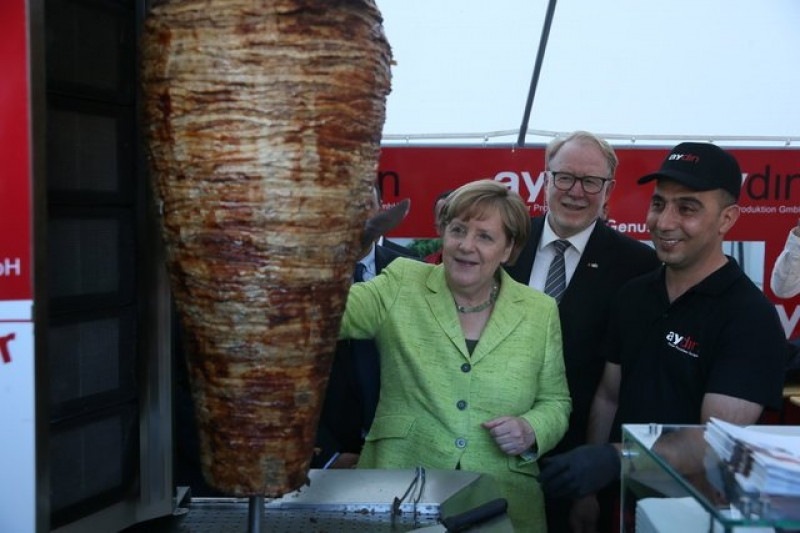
<point x="579" y="472"/>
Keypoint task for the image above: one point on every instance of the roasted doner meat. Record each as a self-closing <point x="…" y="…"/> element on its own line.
<point x="263" y="121"/>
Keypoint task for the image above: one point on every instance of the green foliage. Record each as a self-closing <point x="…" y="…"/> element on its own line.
<point x="423" y="247"/>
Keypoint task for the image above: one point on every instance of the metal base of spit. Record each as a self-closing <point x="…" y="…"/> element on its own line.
<point x="351" y="500"/>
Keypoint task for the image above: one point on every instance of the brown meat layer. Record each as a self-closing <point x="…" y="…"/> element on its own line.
<point x="263" y="122"/>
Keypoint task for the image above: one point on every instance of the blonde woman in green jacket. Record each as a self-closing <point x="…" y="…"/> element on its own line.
<point x="472" y="374"/>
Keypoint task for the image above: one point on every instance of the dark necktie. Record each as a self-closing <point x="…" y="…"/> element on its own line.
<point x="361" y="268"/>
<point x="556" y="282"/>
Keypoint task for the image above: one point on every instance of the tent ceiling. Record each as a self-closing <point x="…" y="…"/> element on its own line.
<point x="711" y="69"/>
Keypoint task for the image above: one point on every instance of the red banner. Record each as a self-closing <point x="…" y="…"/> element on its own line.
<point x="18" y="494"/>
<point x="770" y="197"/>
<point x="15" y="181"/>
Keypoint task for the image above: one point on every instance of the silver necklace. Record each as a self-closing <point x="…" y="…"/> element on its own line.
<point x="480" y="307"/>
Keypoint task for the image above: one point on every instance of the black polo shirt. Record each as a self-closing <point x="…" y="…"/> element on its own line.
<point x="722" y="336"/>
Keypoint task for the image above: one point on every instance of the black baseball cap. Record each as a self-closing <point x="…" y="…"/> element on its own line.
<point x="700" y="166"/>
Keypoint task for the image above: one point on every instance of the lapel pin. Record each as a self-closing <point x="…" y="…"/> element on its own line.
<point x="592" y="265"/>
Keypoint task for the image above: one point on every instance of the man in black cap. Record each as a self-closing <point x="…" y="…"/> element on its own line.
<point x="694" y="339"/>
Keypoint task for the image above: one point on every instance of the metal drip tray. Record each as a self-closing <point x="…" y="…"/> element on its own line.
<point x="219" y="516"/>
<point x="355" y="500"/>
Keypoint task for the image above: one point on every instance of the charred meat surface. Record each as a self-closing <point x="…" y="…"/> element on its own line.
<point x="263" y="122"/>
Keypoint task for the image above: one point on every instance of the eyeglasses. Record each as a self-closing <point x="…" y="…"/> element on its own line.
<point x="564" y="181"/>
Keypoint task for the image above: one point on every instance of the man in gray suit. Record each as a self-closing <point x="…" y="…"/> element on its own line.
<point x="596" y="261"/>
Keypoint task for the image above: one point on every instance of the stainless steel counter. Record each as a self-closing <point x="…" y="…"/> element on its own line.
<point x="353" y="500"/>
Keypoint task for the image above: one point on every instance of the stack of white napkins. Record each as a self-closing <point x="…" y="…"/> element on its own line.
<point x="680" y="515"/>
<point x="765" y="459"/>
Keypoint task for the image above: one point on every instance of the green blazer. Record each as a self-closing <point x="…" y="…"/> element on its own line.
<point x="434" y="395"/>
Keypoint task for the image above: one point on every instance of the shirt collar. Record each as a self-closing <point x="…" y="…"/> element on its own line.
<point x="578" y="241"/>
<point x="715" y="283"/>
<point x="369" y="262"/>
<point x="718" y="281"/>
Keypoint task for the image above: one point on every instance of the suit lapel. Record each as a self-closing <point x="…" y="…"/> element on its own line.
<point x="592" y="264"/>
<point x="443" y="309"/>
<point x="505" y="318"/>
<point x="385" y="255"/>
<point x="521" y="271"/>
<point x="537" y="227"/>
<point x="382" y="258"/>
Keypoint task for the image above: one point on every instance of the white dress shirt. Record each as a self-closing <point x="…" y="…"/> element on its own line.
<point x="370" y="269"/>
<point x="546" y="251"/>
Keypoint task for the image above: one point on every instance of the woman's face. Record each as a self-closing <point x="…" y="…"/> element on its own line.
<point x="472" y="251"/>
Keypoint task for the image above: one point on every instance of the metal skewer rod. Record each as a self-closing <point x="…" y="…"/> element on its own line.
<point x="255" y="514"/>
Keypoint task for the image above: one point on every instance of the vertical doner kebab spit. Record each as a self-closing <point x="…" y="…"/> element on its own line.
<point x="263" y="121"/>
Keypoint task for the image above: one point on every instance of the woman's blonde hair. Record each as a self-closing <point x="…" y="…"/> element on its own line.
<point x="474" y="199"/>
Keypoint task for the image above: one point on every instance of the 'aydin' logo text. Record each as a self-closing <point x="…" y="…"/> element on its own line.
<point x="683" y="343"/>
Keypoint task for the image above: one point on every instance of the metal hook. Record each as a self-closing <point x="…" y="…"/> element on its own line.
<point x="417" y="483"/>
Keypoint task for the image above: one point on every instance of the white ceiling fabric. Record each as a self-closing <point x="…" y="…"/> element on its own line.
<point x="630" y="68"/>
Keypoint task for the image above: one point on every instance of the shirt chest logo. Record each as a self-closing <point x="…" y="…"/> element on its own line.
<point x="684" y="344"/>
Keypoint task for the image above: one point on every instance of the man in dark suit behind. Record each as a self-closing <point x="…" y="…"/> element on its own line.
<point x="354" y="383"/>
<point x="597" y="261"/>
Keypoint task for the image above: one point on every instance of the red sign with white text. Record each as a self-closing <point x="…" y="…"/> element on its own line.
<point x="15" y="179"/>
<point x="18" y="488"/>
<point x="770" y="197"/>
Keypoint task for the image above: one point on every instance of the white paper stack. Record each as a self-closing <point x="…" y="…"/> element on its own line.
<point x="680" y="515"/>
<point x="765" y="459"/>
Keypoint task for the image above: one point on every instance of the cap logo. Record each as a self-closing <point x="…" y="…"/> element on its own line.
<point x="689" y="158"/>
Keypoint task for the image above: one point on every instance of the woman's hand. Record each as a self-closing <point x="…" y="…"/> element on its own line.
<point x="513" y="435"/>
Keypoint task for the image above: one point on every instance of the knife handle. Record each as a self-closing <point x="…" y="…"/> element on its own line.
<point x="482" y="513"/>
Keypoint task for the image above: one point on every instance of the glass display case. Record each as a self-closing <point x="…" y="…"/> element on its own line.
<point x="672" y="480"/>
